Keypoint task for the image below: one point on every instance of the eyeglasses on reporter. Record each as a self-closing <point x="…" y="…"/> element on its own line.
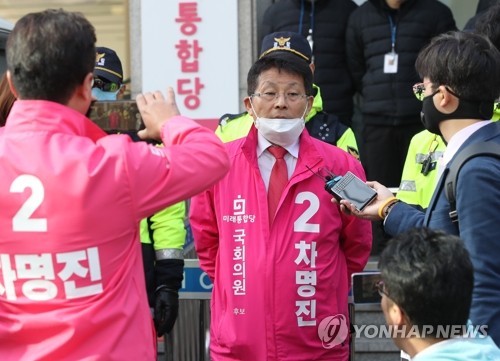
<point x="105" y="86"/>
<point x="270" y="96"/>
<point x="419" y="90"/>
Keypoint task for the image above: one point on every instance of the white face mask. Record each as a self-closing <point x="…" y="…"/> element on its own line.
<point x="282" y="132"/>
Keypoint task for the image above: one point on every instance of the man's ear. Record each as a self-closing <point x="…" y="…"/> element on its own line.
<point x="11" y="84"/>
<point x="84" y="90"/>
<point x="312" y="67"/>
<point x="310" y="101"/>
<point x="396" y="314"/>
<point x="248" y="106"/>
<point x="444" y="101"/>
<point x="88" y="83"/>
<point x="82" y="95"/>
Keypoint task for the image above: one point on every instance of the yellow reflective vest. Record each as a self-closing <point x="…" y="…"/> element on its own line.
<point x="417" y="183"/>
<point x="166" y="231"/>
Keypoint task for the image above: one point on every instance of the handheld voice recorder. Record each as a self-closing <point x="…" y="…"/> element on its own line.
<point x="348" y="187"/>
<point x="351" y="188"/>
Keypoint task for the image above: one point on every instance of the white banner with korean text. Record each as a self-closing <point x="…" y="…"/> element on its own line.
<point x="192" y="45"/>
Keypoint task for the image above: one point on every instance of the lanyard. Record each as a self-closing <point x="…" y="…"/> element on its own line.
<point x="393" y="33"/>
<point x="310" y="37"/>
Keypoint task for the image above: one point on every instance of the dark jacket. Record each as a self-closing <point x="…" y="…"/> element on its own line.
<point x="368" y="39"/>
<point x="329" y="22"/>
<point x="482" y="7"/>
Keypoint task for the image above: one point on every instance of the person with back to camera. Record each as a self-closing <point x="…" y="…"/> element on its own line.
<point x="426" y="288"/>
<point x="162" y="234"/>
<point x="320" y="124"/>
<point x="461" y="81"/>
<point x="280" y="257"/>
<point x="71" y="275"/>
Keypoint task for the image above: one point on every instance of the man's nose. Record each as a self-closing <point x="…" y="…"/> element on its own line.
<point x="280" y="101"/>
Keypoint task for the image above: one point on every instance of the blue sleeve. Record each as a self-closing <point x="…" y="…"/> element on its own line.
<point x="403" y="217"/>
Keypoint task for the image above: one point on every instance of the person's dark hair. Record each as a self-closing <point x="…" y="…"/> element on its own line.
<point x="429" y="275"/>
<point x="484" y="5"/>
<point x="488" y="24"/>
<point x="49" y="53"/>
<point x="286" y="63"/>
<point x="7" y="99"/>
<point x="468" y="63"/>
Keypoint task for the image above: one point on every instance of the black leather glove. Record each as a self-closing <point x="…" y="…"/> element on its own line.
<point x="166" y="309"/>
<point x="169" y="275"/>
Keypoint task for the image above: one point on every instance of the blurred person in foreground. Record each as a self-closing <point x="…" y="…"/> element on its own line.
<point x="460" y="82"/>
<point x="72" y="281"/>
<point x="426" y="289"/>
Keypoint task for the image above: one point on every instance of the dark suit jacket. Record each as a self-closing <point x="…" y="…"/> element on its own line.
<point x="478" y="207"/>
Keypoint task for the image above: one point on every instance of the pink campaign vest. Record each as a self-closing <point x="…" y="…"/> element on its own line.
<point x="277" y="291"/>
<point x="71" y="274"/>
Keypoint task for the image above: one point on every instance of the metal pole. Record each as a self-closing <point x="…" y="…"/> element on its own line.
<point x="169" y="346"/>
<point x="201" y="344"/>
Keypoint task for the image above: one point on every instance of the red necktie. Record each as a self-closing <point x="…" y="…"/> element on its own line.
<point x="278" y="179"/>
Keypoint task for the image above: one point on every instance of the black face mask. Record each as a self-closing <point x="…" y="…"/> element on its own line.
<point x="431" y="117"/>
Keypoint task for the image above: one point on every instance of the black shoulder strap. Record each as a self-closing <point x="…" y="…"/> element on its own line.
<point x="223" y="120"/>
<point x="473" y="150"/>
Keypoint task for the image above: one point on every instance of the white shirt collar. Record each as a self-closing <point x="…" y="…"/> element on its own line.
<point x="436" y="347"/>
<point x="263" y="144"/>
<point x="459" y="138"/>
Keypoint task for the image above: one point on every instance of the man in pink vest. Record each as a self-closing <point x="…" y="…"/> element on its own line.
<point x="71" y="274"/>
<point x="281" y="258"/>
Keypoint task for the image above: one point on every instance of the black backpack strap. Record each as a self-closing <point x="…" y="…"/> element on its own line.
<point x="450" y="186"/>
